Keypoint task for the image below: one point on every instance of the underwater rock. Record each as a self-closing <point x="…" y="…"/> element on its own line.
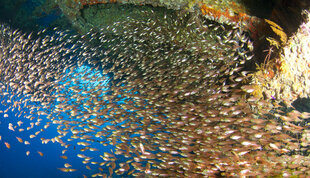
<point x="32" y="15"/>
<point x="227" y="12"/>
<point x="291" y="81"/>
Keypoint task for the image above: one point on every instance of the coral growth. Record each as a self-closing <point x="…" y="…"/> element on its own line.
<point x="292" y="67"/>
<point x="279" y="31"/>
<point x="222" y="16"/>
<point x="221" y="11"/>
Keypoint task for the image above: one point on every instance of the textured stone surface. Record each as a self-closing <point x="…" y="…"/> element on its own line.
<point x="293" y="79"/>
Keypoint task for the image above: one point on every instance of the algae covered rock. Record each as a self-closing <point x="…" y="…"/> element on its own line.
<point x="293" y="78"/>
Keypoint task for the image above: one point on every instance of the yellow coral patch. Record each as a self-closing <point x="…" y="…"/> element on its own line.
<point x="278" y="30"/>
<point x="273" y="42"/>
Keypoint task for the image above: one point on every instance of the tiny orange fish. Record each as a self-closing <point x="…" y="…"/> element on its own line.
<point x="64" y="157"/>
<point x="19" y="139"/>
<point x="67" y="169"/>
<point x="67" y="165"/>
<point x="7" y="145"/>
<point x="40" y="153"/>
<point x="87" y="167"/>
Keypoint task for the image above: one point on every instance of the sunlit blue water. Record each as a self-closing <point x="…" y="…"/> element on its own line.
<point x="15" y="163"/>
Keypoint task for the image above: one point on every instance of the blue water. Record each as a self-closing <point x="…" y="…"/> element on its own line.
<point x="15" y="163"/>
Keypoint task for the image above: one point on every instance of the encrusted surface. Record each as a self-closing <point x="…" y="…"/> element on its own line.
<point x="231" y="11"/>
<point x="293" y="79"/>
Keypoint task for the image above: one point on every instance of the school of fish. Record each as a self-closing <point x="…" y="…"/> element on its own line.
<point x="170" y="97"/>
